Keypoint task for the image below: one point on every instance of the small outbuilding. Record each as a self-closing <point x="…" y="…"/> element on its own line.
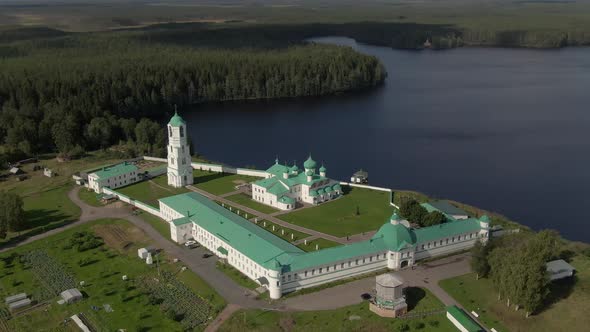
<point x="360" y="177"/>
<point x="446" y="208"/>
<point x="559" y="269"/>
<point x="15" y="171"/>
<point x="15" y="298"/>
<point x="48" y="172"/>
<point x="389" y="298"/>
<point x="19" y="304"/>
<point x="71" y="295"/>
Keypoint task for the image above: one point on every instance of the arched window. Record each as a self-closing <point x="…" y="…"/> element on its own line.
<point x="170" y="131"/>
<point x="181" y="131"/>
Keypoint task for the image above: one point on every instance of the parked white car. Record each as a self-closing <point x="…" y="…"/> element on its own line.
<point x="190" y="243"/>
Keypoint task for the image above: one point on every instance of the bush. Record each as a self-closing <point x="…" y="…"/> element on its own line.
<point x="403" y="327"/>
<point x="433" y="323"/>
<point x="418" y="325"/>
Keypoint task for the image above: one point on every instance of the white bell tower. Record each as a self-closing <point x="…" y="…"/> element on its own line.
<point x="180" y="171"/>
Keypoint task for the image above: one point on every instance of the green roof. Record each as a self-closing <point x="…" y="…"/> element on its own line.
<point x="273" y="252"/>
<point x="328" y="189"/>
<point x="222" y="250"/>
<point x="116" y="170"/>
<point x="287" y="200"/>
<point x="292" y="180"/>
<point x="176" y="120"/>
<point x="313" y="193"/>
<point x="465" y="320"/>
<point x="395" y="237"/>
<point x="309" y="163"/>
<point x="181" y="221"/>
<point x="444" y="207"/>
<point x="278" y="169"/>
<point x="322" y="169"/>
<point x="251" y="240"/>
<point x="485" y="218"/>
<point x="336" y="187"/>
<point x="446" y="229"/>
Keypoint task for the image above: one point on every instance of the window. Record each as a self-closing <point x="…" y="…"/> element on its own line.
<point x="422" y="247"/>
<point x="305" y="274"/>
<point x="321" y="270"/>
<point x="170" y="134"/>
<point x="181" y="131"/>
<point x="342" y="265"/>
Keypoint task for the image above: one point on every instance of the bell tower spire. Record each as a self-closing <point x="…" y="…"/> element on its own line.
<point x="180" y="171"/>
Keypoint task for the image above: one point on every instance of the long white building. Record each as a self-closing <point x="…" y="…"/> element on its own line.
<point x="286" y="186"/>
<point x="283" y="268"/>
<point x="113" y="177"/>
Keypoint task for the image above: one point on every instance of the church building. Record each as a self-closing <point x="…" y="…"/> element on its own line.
<point x="180" y="171"/>
<point x="286" y="186"/>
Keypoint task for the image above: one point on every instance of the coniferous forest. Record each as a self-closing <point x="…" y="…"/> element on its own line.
<point x="77" y="93"/>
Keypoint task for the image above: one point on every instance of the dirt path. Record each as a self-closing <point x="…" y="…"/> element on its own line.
<point x="229" y="310"/>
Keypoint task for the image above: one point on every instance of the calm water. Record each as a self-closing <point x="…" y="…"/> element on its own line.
<point x="507" y="130"/>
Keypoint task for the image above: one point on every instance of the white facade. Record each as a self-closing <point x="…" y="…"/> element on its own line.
<point x="180" y="171"/>
<point x="113" y="177"/>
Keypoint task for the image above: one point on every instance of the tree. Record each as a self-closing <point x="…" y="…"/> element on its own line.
<point x="99" y="132"/>
<point x="479" y="259"/>
<point x="412" y="211"/>
<point x="12" y="215"/>
<point x="433" y="218"/>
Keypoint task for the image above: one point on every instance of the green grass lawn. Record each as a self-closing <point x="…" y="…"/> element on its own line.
<point x="150" y="191"/>
<point x="160" y="225"/>
<point x="350" y="318"/>
<point x="339" y="217"/>
<point x="236" y="276"/>
<point x="279" y="231"/>
<point x="89" y="197"/>
<point x="567" y="308"/>
<point x="322" y="244"/>
<point x="102" y="275"/>
<point x="218" y="183"/>
<point x="246" y="201"/>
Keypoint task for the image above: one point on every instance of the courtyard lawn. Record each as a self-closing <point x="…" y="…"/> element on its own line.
<point x="279" y="231"/>
<point x="567" y="308"/>
<point x="101" y="269"/>
<point x="356" y="317"/>
<point x="321" y="243"/>
<point x="247" y="201"/>
<point x="218" y="183"/>
<point x="339" y="217"/>
<point x="151" y="190"/>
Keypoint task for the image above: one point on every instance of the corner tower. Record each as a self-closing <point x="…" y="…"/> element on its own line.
<point x="180" y="171"/>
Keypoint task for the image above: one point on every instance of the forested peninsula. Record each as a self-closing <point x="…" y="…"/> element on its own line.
<point x="80" y="92"/>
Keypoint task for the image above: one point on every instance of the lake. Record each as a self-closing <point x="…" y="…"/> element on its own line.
<point x="506" y="130"/>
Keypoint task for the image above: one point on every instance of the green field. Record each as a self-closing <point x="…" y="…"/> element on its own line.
<point x="219" y="183"/>
<point x="160" y="225"/>
<point x="567" y="308"/>
<point x="322" y="244"/>
<point x="246" y="201"/>
<point x="279" y="231"/>
<point x="339" y="217"/>
<point x="101" y="269"/>
<point x="150" y="191"/>
<point x="351" y="318"/>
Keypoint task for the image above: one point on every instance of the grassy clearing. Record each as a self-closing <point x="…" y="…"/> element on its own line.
<point x="150" y="191"/>
<point x="566" y="310"/>
<point x="246" y="201"/>
<point x="339" y="217"/>
<point x="218" y="183"/>
<point x="321" y="243"/>
<point x="102" y="269"/>
<point x="160" y="225"/>
<point x="279" y="231"/>
<point x="351" y="318"/>
<point x="89" y="197"/>
<point x="236" y="276"/>
<point x="45" y="199"/>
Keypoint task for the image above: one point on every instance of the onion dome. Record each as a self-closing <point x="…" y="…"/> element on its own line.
<point x="484" y="218"/>
<point x="323" y="169"/>
<point x="294" y="168"/>
<point x="313" y="193"/>
<point x="309" y="163"/>
<point x="321" y="191"/>
<point x="176" y="120"/>
<point x="395" y="216"/>
<point x="336" y="187"/>
<point x="328" y="189"/>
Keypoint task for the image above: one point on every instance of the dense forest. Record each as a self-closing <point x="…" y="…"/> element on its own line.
<point x="81" y="92"/>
